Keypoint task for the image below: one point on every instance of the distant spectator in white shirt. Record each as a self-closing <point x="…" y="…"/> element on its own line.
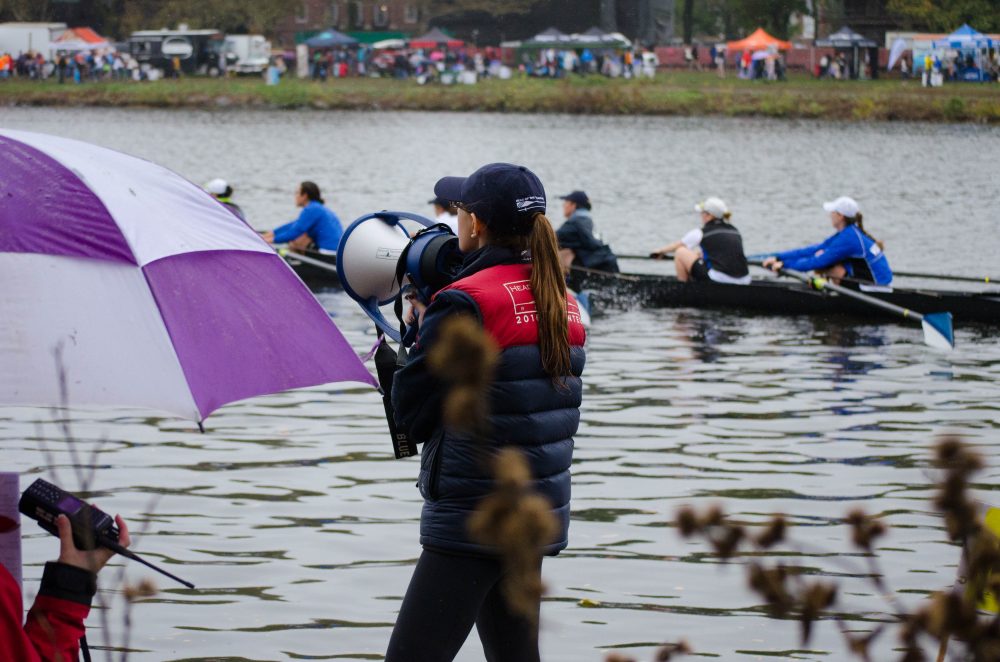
<point x="445" y="212"/>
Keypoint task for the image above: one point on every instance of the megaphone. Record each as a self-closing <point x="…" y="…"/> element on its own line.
<point x="377" y="257"/>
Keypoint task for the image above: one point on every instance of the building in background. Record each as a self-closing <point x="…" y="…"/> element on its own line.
<point x="644" y="21"/>
<point x="647" y="21"/>
<point x="870" y="18"/>
<point x="366" y="20"/>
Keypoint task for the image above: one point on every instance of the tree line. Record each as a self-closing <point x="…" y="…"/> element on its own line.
<point x="717" y="18"/>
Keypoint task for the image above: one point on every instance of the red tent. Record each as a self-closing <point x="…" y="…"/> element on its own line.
<point x="434" y="39"/>
<point x="758" y="41"/>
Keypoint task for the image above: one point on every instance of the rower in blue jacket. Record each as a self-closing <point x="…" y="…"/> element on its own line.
<point x="851" y="252"/>
<point x="316" y="227"/>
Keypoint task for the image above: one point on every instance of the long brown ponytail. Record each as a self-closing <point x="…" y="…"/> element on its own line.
<point x="549" y="288"/>
<point x="858" y="220"/>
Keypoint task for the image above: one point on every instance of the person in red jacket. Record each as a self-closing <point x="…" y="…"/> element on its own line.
<point x="54" y="626"/>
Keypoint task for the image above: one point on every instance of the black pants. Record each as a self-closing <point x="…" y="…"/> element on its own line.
<point x="448" y="593"/>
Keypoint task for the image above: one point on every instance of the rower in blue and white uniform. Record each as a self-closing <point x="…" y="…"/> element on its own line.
<point x="851" y="252"/>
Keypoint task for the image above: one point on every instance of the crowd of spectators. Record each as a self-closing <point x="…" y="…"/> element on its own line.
<point x="422" y="64"/>
<point x="613" y="63"/>
<point x="426" y="65"/>
<point x="76" y="67"/>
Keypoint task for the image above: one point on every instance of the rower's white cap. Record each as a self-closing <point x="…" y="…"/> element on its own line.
<point x="217" y="186"/>
<point x="844" y="206"/>
<point x="713" y="206"/>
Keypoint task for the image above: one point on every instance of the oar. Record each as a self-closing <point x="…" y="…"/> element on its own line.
<point x="964" y="279"/>
<point x="288" y="255"/>
<point x="627" y="256"/>
<point x="908" y="274"/>
<point x="938" y="332"/>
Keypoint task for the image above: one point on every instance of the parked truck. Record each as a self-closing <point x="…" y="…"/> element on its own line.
<point x="17" y="38"/>
<point x="197" y="51"/>
<point x="247" y="53"/>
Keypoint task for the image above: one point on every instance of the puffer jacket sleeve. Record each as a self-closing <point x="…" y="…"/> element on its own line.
<point x="55" y="622"/>
<point x="416" y="393"/>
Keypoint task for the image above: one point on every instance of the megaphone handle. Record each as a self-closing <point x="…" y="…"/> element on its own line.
<point x="409" y="336"/>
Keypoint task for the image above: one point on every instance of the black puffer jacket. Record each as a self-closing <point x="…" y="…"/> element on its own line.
<point x="527" y="409"/>
<point x="577" y="234"/>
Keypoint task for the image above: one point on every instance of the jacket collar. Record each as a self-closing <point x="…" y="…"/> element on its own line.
<point x="486" y="257"/>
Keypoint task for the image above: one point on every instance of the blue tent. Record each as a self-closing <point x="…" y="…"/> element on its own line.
<point x="965" y="37"/>
<point x="968" y="39"/>
<point x="330" y="39"/>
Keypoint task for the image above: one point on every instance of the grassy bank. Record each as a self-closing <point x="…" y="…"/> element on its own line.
<point x="669" y="94"/>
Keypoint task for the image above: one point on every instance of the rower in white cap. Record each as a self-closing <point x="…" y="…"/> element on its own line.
<point x="223" y="192"/>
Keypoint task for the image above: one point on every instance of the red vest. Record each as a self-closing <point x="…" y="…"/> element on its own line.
<point x="503" y="294"/>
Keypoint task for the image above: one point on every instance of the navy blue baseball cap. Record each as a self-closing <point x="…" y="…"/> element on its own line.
<point x="504" y="196"/>
<point x="578" y="198"/>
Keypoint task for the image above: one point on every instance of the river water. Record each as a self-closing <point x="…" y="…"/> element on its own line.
<point x="300" y="530"/>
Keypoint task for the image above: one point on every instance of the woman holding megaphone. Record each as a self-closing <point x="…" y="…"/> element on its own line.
<point x="510" y="283"/>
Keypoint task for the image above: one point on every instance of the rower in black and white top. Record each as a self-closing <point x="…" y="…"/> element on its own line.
<point x="712" y="252"/>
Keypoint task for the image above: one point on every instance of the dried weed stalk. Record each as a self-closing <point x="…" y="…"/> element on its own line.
<point x="948" y="614"/>
<point x="85" y="471"/>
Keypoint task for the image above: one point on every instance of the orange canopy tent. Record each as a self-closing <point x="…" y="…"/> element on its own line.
<point x="80" y="39"/>
<point x="758" y="41"/>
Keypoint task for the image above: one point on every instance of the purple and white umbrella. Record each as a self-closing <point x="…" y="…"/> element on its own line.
<point x="158" y="295"/>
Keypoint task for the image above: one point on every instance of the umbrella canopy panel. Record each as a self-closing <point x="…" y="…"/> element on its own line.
<point x="759" y="40"/>
<point x="159" y="296"/>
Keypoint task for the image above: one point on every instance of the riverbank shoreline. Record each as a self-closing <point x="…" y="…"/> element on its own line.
<point x="671" y="94"/>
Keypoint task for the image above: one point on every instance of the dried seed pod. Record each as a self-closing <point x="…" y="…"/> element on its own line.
<point x="667" y="652"/>
<point x="714" y="516"/>
<point x="464" y="357"/>
<point x="773" y="533"/>
<point x="687" y="521"/>
<point x="144" y="589"/>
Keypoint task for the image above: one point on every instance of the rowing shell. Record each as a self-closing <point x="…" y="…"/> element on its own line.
<point x="617" y="291"/>
<point x="315" y="276"/>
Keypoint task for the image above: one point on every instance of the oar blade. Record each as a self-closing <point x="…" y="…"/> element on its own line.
<point x="938" y="331"/>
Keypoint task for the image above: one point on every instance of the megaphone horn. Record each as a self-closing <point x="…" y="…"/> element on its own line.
<point x="367" y="260"/>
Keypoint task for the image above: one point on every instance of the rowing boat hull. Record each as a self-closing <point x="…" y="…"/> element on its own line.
<point x="316" y="277"/>
<point x="616" y="291"/>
